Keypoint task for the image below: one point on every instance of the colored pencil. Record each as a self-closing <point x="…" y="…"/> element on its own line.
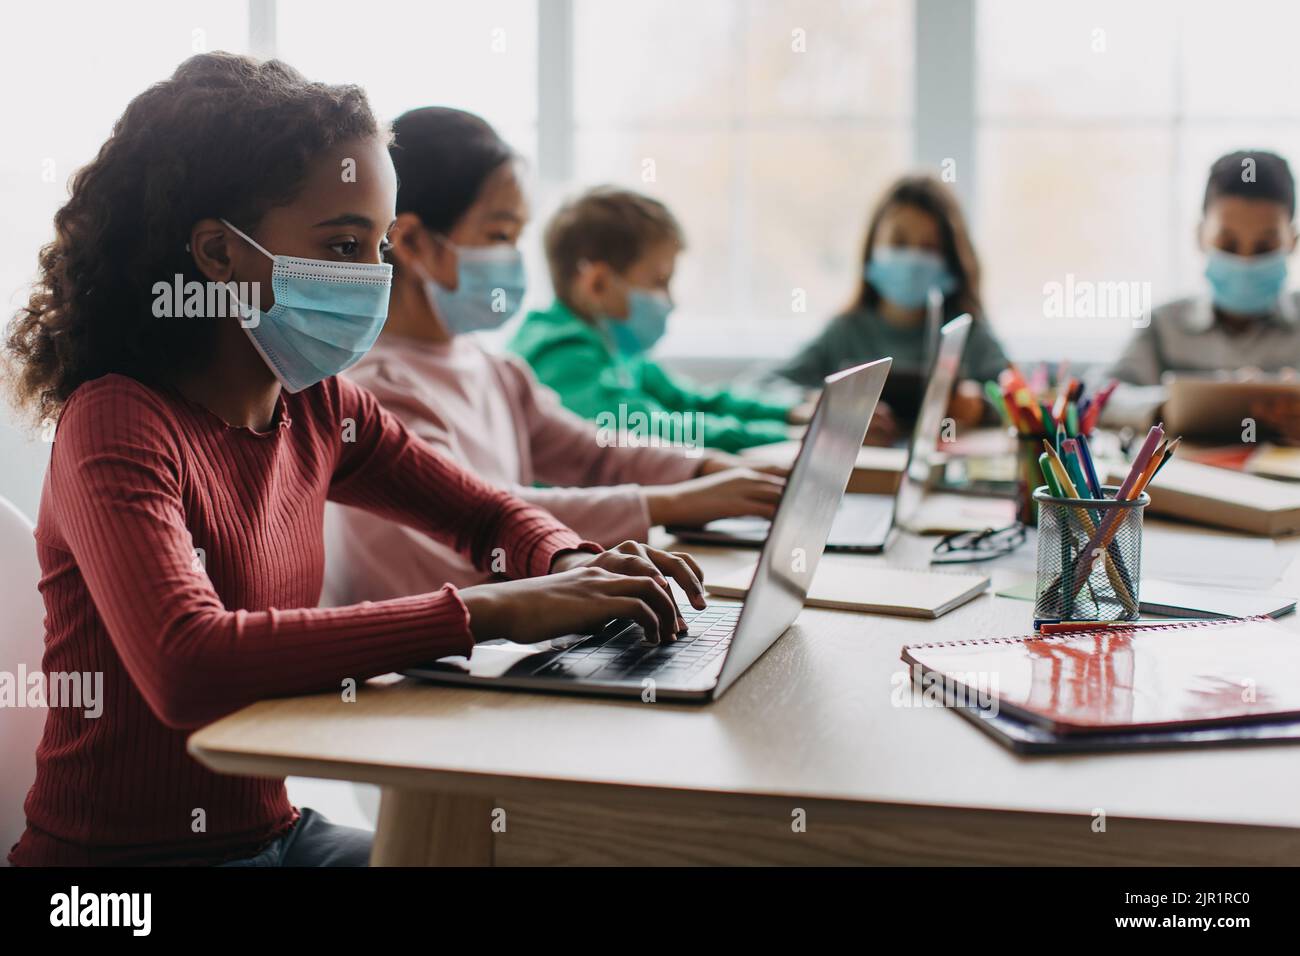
<point x="1070" y="457"/>
<point x="1101" y="539"/>
<point x="1115" y="570"/>
<point x="1169" y="453"/>
<point x="1089" y="470"/>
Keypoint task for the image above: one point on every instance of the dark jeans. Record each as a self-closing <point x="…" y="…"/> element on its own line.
<point x="314" y="841"/>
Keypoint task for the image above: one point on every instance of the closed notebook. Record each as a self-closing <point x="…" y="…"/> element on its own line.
<point x="847" y="584"/>
<point x="1188" y="674"/>
<point x="1172" y="599"/>
<point x="1226" y="499"/>
<point x="1274" y="461"/>
<point x="1186" y="600"/>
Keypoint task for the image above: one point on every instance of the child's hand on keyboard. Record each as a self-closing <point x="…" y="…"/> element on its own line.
<point x="640" y="560"/>
<point x="584" y="592"/>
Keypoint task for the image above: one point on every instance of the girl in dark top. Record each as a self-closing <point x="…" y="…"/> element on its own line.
<point x="916" y="243"/>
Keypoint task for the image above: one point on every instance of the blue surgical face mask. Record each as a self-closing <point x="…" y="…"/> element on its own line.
<point x="326" y="316"/>
<point x="906" y="276"/>
<point x="489" y="288"/>
<point x="1246" y="285"/>
<point x="646" y="322"/>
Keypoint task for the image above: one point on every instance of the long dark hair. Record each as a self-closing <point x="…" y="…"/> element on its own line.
<point x="224" y="136"/>
<point x="933" y="197"/>
<point x="442" y="157"/>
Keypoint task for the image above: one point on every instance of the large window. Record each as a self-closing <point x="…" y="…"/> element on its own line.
<point x="71" y="68"/>
<point x="768" y="127"/>
<point x="1082" y="130"/>
<point x="479" y="56"/>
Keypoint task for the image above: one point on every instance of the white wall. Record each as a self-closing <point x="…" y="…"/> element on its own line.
<point x="22" y="464"/>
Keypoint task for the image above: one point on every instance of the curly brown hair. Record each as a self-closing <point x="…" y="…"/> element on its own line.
<point x="225" y="136"/>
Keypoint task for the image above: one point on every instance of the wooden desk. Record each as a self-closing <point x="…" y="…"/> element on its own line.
<point x="807" y="735"/>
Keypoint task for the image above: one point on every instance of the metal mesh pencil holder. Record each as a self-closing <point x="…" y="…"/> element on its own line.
<point x="1089" y="557"/>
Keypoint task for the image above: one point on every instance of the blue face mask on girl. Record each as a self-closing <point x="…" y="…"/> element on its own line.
<point x="906" y="276"/>
<point x="326" y="316"/>
<point x="646" y="322"/>
<point x="1246" y="285"/>
<point x="490" y="283"/>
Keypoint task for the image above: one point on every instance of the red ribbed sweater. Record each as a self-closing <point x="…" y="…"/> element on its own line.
<point x="140" y="478"/>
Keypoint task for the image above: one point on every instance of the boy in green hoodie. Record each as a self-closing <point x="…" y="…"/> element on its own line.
<point x="611" y="254"/>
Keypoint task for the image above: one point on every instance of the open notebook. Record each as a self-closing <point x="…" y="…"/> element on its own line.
<point x="1188" y="674"/>
<point x="847" y="584"/>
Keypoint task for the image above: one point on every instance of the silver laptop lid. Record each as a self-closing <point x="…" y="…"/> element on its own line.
<point x="929" y="420"/>
<point x="803" y="518"/>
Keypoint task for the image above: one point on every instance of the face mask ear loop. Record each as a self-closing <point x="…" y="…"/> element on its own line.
<point x="423" y="274"/>
<point x="248" y="239"/>
<point x="446" y="241"/>
<point x="427" y="281"/>
<point x="246" y="313"/>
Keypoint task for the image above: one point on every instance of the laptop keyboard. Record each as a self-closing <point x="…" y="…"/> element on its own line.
<point x="619" y="652"/>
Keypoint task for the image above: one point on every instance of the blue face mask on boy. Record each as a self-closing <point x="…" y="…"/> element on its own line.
<point x="646" y="322"/>
<point x="906" y="276"/>
<point x="489" y="288"/>
<point x="326" y="316"/>
<point x="1245" y="285"/>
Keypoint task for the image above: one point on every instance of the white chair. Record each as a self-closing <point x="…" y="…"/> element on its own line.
<point x="22" y="642"/>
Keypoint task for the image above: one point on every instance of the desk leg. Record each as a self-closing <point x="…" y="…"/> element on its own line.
<point x="425" y="828"/>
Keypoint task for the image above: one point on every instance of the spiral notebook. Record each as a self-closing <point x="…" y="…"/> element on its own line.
<point x="1165" y="677"/>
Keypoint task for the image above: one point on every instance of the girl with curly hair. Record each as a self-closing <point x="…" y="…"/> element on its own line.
<point x="198" y="438"/>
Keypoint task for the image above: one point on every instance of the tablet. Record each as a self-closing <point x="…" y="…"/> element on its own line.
<point x="1212" y="407"/>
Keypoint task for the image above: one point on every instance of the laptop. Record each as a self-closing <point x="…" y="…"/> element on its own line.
<point x="724" y="639"/>
<point x="866" y="524"/>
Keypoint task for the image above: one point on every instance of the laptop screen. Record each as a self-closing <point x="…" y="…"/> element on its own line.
<point x="921" y="453"/>
<point x="802" y="522"/>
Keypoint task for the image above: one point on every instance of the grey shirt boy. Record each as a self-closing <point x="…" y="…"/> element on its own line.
<point x="1185" y="336"/>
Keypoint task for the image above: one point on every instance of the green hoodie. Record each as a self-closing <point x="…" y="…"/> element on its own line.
<point x="578" y="360"/>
